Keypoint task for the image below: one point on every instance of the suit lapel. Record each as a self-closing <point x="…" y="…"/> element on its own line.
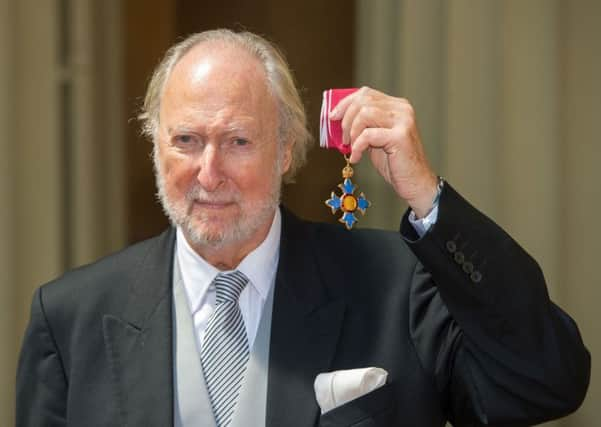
<point x="305" y="328"/>
<point x="139" y="340"/>
<point x="306" y="324"/>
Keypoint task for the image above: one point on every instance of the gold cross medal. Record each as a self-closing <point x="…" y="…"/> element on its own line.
<point x="330" y="136"/>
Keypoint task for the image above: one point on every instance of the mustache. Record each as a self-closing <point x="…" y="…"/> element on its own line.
<point x="198" y="194"/>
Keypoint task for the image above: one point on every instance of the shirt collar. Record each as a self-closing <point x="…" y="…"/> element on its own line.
<point x="259" y="266"/>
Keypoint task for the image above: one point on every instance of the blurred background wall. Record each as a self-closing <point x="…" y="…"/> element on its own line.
<point x="507" y="94"/>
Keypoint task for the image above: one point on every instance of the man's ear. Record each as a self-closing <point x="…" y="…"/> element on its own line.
<point x="287" y="156"/>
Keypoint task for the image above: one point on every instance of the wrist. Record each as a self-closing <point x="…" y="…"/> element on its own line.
<point x="428" y="199"/>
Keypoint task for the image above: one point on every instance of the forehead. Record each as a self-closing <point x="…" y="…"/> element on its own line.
<point x="216" y="76"/>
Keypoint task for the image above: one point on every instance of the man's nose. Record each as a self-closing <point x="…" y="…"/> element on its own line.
<point x="210" y="175"/>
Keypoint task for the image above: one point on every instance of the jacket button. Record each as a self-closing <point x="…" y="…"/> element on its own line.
<point x="451" y="246"/>
<point x="468" y="267"/>
<point x="459" y="257"/>
<point x="476" y="276"/>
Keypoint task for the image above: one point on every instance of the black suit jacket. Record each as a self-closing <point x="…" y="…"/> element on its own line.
<point x="460" y="319"/>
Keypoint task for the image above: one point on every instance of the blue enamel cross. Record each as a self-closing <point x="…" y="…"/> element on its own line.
<point x="348" y="203"/>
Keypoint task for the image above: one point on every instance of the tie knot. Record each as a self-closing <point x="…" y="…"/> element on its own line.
<point x="229" y="286"/>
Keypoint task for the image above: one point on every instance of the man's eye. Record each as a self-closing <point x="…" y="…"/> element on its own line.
<point x="240" y="142"/>
<point x="184" y="139"/>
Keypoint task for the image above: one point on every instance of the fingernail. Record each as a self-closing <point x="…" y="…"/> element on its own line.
<point x="334" y="114"/>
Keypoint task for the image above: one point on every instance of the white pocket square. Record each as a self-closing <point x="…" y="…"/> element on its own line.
<point x="333" y="389"/>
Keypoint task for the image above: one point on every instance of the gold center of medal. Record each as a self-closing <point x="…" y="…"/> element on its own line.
<point x="349" y="203"/>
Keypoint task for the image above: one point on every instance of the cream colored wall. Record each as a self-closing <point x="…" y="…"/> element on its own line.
<point x="580" y="186"/>
<point x="37" y="156"/>
<point x="36" y="244"/>
<point x="97" y="187"/>
<point x="8" y="299"/>
<point x="509" y="105"/>
<point x="30" y="169"/>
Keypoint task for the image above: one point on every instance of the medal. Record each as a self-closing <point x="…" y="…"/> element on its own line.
<point x="330" y="132"/>
<point x="348" y="203"/>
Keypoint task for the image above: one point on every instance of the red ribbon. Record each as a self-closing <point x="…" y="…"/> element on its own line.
<point x="330" y="131"/>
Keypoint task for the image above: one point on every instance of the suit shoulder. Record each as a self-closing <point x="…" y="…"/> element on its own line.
<point x="105" y="275"/>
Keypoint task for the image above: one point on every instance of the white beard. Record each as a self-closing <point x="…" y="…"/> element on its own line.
<point x="250" y="220"/>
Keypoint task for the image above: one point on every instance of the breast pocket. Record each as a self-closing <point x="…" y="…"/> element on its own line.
<point x="375" y="409"/>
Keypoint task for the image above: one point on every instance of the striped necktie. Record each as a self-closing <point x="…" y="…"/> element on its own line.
<point x="225" y="352"/>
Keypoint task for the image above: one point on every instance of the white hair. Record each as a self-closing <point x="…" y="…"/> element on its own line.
<point x="292" y="127"/>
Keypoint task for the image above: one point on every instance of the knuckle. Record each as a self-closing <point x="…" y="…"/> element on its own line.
<point x="364" y="112"/>
<point x="356" y="130"/>
<point x="402" y="133"/>
<point x="366" y="94"/>
<point x="409" y="109"/>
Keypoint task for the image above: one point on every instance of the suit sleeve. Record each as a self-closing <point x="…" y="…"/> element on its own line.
<point x="482" y="322"/>
<point x="41" y="382"/>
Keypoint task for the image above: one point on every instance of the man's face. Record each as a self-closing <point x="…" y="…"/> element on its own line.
<point x="218" y="158"/>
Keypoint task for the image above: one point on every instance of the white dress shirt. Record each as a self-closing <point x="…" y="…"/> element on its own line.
<point x="422" y="225"/>
<point x="260" y="266"/>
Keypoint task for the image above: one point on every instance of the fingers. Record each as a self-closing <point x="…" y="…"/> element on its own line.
<point x="370" y="138"/>
<point x="368" y="108"/>
<point x="339" y="111"/>
<point x="386" y="128"/>
<point x="388" y="114"/>
<point x="376" y="115"/>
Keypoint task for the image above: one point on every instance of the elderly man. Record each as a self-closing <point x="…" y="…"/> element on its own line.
<point x="227" y="318"/>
